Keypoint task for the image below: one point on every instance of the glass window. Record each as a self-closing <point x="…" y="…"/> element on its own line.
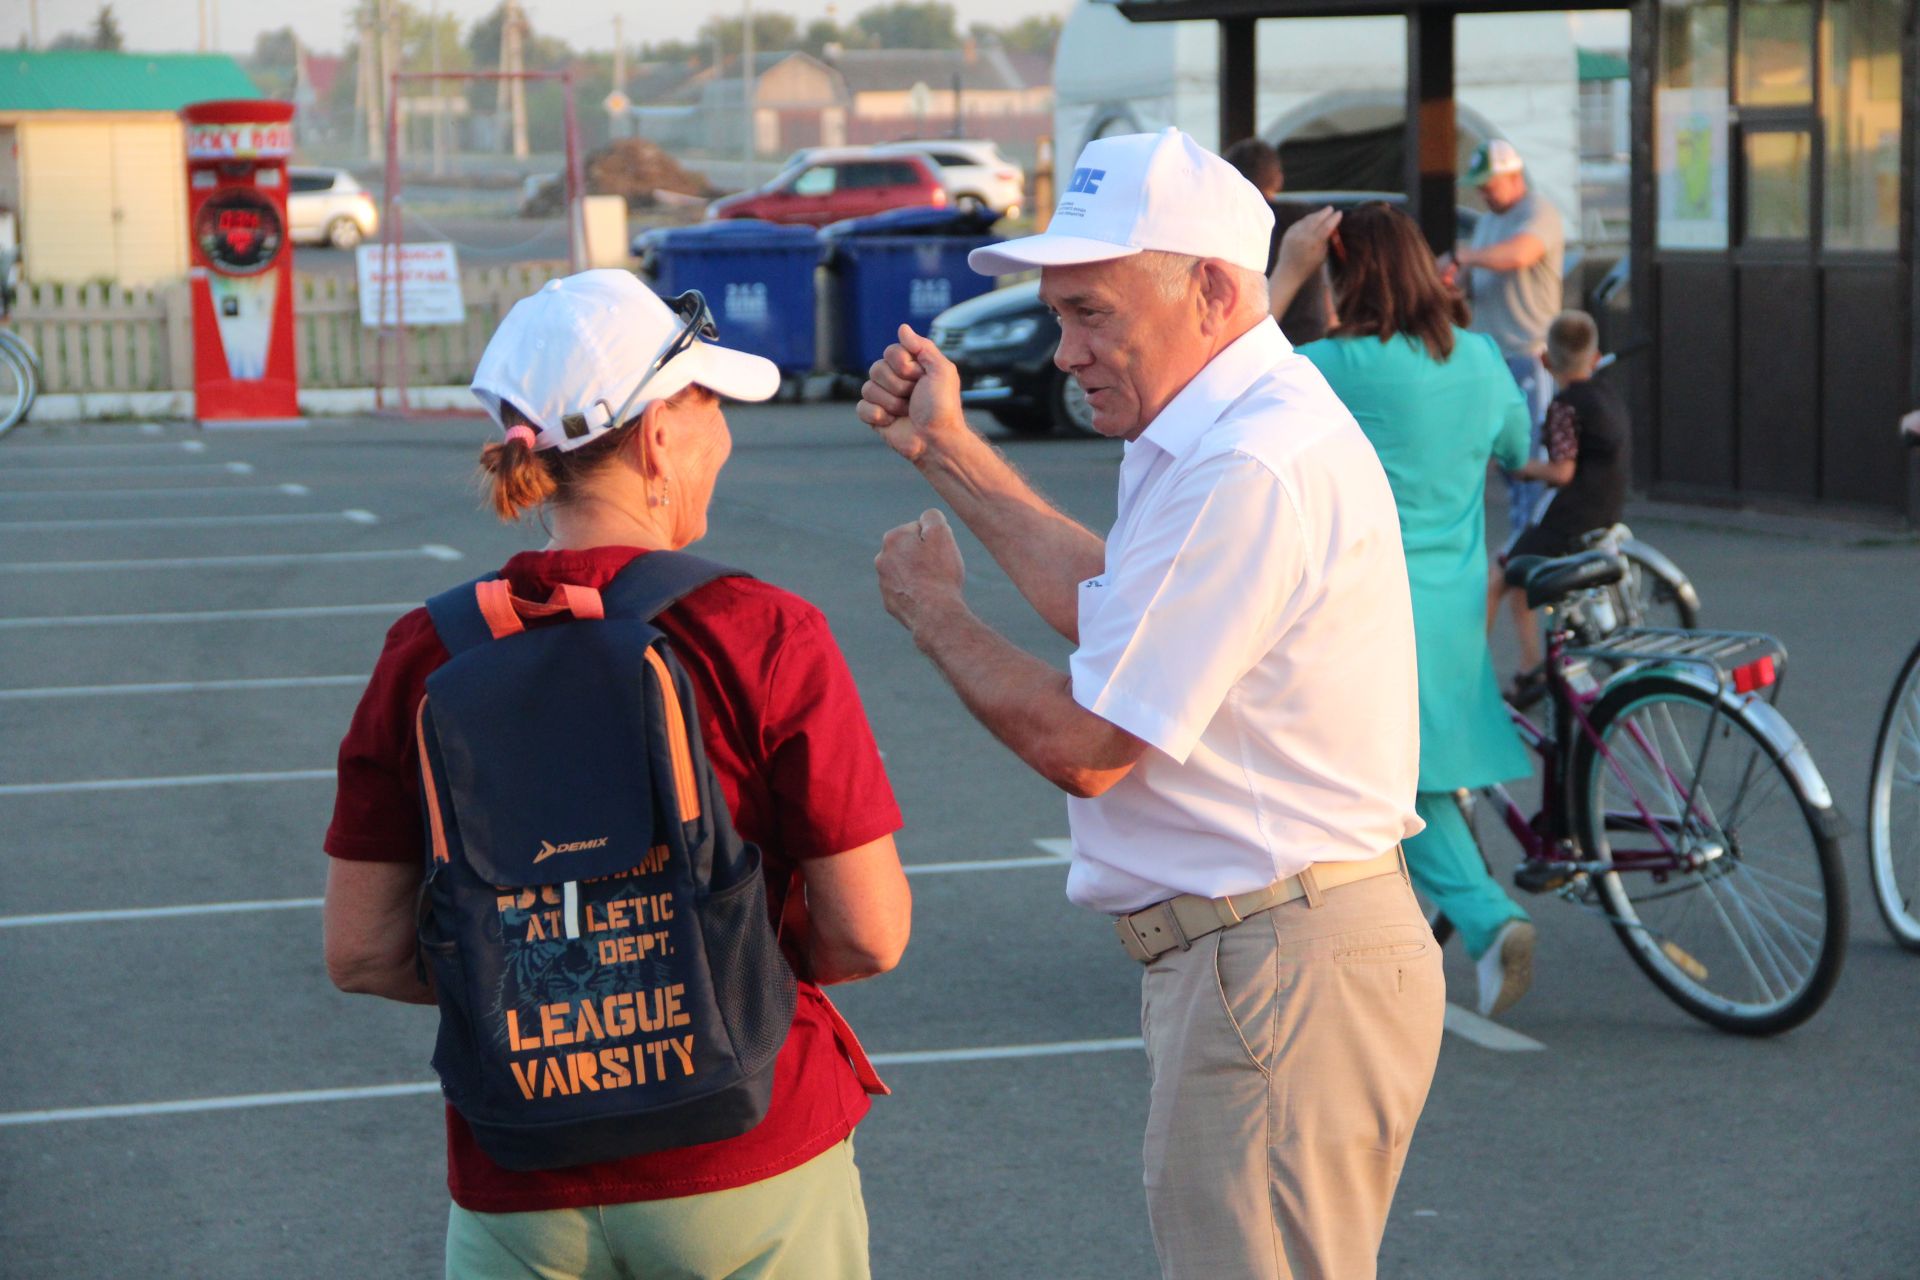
<point x="1691" y="127"/>
<point x="1861" y="101"/>
<point x="1776" y="53"/>
<point x="1779" y="185"/>
<point x="817" y="181"/>
<point x="300" y="183"/>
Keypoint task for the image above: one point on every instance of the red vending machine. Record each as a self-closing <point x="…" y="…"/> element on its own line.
<point x="242" y="272"/>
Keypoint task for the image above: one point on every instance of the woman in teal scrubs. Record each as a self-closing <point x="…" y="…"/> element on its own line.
<point x="1438" y="403"/>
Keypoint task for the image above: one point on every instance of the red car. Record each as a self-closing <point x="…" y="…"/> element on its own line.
<point x="831" y="185"/>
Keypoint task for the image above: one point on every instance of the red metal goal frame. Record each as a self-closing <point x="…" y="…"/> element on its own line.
<point x="392" y="211"/>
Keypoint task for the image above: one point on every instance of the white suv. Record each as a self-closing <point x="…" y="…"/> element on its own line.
<point x="326" y="206"/>
<point x="974" y="171"/>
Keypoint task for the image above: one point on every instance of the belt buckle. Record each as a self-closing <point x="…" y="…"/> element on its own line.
<point x="1136" y="943"/>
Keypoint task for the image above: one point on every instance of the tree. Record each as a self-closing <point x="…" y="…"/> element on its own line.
<point x="772" y="32"/>
<point x="1032" y="34"/>
<point x="909" y="24"/>
<point x="106" y="31"/>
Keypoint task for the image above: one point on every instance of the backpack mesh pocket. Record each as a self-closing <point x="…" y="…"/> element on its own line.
<point x="742" y="954"/>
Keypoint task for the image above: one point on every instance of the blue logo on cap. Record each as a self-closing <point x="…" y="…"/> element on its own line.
<point x="1086" y="180"/>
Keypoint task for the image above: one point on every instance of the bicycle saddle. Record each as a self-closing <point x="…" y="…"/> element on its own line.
<point x="1551" y="581"/>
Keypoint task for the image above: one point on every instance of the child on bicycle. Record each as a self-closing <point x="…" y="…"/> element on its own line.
<point x="1587" y="436"/>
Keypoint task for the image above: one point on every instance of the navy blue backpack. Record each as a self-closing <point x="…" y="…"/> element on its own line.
<point x="608" y="977"/>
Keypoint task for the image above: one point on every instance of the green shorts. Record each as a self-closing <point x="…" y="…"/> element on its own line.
<point x="808" y="1223"/>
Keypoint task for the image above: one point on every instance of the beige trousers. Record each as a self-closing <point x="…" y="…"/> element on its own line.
<point x="1291" y="1056"/>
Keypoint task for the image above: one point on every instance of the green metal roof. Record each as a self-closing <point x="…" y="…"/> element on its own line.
<point x="1596" y="65"/>
<point x="73" y="80"/>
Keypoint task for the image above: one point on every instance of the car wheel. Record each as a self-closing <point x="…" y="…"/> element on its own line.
<point x="343" y="233"/>
<point x="1069" y="407"/>
<point x="1023" y="422"/>
<point x="969" y="203"/>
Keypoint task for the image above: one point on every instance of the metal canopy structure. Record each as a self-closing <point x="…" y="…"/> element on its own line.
<point x="1785" y="342"/>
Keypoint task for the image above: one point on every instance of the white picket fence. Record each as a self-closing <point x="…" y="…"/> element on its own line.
<point x="102" y="337"/>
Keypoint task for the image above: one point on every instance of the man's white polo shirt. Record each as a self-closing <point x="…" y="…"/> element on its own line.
<point x="1254" y="627"/>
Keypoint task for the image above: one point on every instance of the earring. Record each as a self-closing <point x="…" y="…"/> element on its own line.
<point x="664" y="497"/>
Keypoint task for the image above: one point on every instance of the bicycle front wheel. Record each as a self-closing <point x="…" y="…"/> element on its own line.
<point x="1727" y="888"/>
<point x="1893" y="809"/>
<point x="19" y="383"/>
<point x="1652" y="597"/>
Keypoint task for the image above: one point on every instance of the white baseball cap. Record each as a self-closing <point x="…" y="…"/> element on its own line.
<point x="1495" y="156"/>
<point x="572" y="356"/>
<point x="1144" y="191"/>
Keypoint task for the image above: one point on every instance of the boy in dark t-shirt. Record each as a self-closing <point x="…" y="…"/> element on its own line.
<point x="1587" y="439"/>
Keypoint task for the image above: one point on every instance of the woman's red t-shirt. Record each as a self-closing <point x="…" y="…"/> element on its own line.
<point x="790" y="744"/>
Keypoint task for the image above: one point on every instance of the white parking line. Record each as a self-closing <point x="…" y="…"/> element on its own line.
<point x="1488" y="1035"/>
<point x="158" y="784"/>
<point x="179" y="686"/>
<point x="431" y="551"/>
<point x="150" y="491"/>
<point x="158" y="913"/>
<point x="351" y="516"/>
<point x="124" y="469"/>
<point x="235" y="1102"/>
<point x="392" y="610"/>
<point x="122" y="914"/>
<point x="140" y="446"/>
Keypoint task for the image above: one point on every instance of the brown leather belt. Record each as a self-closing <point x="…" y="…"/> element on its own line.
<point x="1153" y="931"/>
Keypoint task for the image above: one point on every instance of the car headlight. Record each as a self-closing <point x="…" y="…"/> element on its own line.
<point x="1000" y="333"/>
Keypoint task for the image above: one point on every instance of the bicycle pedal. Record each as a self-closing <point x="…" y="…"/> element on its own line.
<point x="1542" y="877"/>
<point x="1687" y="964"/>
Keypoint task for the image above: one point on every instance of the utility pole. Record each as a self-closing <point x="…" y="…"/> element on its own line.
<point x="511" y="102"/>
<point x="369" y="89"/>
<point x="439" y="98"/>
<point x="614" y="129"/>
<point x="213" y="24"/>
<point x="201" y="6"/>
<point x="746" y="92"/>
<point x="33" y="24"/>
<point x="388" y="64"/>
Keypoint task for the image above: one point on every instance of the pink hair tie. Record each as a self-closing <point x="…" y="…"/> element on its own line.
<point x="524" y="433"/>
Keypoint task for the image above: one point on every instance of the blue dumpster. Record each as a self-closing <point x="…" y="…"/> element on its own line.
<point x="757" y="277"/>
<point x="903" y="265"/>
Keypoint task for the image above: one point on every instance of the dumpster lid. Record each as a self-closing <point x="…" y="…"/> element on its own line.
<point x="915" y="220"/>
<point x="744" y="233"/>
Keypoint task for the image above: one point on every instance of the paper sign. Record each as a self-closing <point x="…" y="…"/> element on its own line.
<point x="427" y="290"/>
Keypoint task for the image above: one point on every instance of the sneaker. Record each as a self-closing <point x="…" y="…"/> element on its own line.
<point x="1529" y="687"/>
<point x="1506" y="970"/>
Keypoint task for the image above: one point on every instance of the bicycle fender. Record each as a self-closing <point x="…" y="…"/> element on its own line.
<point x="1657" y="560"/>
<point x="1766" y="719"/>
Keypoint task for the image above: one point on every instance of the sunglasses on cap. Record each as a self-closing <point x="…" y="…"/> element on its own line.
<point x="696" y="323"/>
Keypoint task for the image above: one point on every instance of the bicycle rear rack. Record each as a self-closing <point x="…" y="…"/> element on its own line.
<point x="1743" y="660"/>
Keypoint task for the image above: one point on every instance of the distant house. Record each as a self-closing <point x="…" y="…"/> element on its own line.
<point x="979" y="91"/>
<point x="93" y="158"/>
<point x="798" y="101"/>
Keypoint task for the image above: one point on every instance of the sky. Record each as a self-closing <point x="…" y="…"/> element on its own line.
<point x="160" y="25"/>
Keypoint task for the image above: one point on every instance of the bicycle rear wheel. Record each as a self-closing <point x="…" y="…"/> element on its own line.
<point x="1749" y="932"/>
<point x="19" y="383"/>
<point x="1893" y="809"/>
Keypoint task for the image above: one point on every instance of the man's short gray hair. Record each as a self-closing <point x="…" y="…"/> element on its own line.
<point x="1172" y="274"/>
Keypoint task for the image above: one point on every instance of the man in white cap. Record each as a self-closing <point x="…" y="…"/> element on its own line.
<point x="1513" y="265"/>
<point x="1238" y="731"/>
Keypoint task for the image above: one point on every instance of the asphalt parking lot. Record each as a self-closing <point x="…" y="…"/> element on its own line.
<point x="189" y="616"/>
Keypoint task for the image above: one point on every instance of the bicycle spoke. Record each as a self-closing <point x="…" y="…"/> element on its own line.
<point x="1756" y="894"/>
<point x="1739" y="944"/>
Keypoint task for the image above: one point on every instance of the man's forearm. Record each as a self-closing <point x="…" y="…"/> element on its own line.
<point x="1046" y="552"/>
<point x="1514" y="254"/>
<point x="1026" y="704"/>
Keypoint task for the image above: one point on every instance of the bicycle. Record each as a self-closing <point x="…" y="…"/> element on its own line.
<point x="1652" y="591"/>
<point x="19" y="364"/>
<point x="1678" y="804"/>
<point x="1893" y="792"/>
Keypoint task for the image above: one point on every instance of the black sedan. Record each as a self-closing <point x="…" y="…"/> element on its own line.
<point x="1003" y="344"/>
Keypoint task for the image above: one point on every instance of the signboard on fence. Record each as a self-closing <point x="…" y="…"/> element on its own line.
<point x="427" y="290"/>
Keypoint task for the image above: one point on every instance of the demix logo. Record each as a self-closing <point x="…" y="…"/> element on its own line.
<point x="548" y="848"/>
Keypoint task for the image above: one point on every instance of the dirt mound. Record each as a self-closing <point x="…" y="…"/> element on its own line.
<point x="630" y="167"/>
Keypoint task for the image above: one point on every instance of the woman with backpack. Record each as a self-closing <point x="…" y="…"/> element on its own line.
<point x="1438" y="404"/>
<point x="609" y="401"/>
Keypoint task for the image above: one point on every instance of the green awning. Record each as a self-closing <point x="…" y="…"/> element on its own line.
<point x="75" y="80"/>
<point x="1595" y="65"/>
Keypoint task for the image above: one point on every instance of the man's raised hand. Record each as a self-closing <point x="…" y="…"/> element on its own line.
<point x="912" y="395"/>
